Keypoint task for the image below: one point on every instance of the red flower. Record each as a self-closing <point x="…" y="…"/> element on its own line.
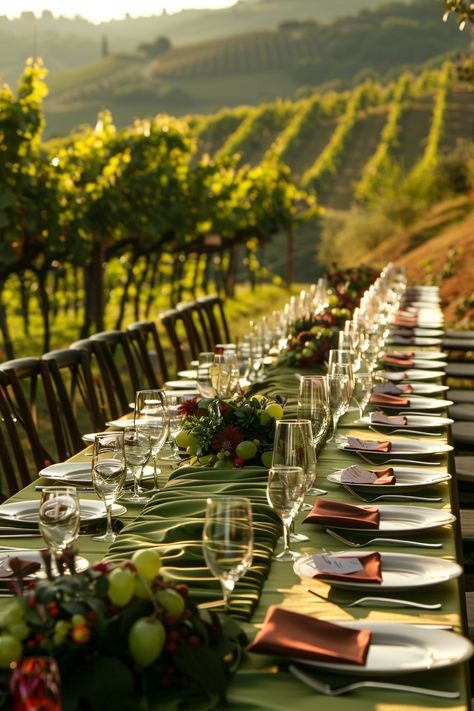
<point x="227" y="439"/>
<point x="188" y="407"/>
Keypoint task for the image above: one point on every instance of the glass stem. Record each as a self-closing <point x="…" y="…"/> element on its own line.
<point x="136" y="479"/>
<point x="286" y="535"/>
<point x="156" y="483"/>
<point x="109" y="530"/>
<point x="227" y="589"/>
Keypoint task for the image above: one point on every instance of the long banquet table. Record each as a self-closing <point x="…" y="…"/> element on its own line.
<point x="263" y="682"/>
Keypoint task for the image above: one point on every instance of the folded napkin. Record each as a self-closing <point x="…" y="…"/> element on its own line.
<point x="294" y="635"/>
<point x="333" y="513"/>
<point x="402" y="340"/>
<point x="405" y="321"/>
<point x="399" y="362"/>
<point x="369" y="445"/>
<point x="381" y="418"/>
<point x="391" y="389"/>
<point x="370" y="568"/>
<point x="359" y="475"/>
<point x="384" y="399"/>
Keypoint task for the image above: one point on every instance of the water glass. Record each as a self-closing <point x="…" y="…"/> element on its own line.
<point x="313" y="405"/>
<point x="152" y="413"/>
<point x="59" y="517"/>
<point x="363" y="385"/>
<point x="137" y="448"/>
<point x="340" y="391"/>
<point x="203" y="376"/>
<point x="109" y="473"/>
<point x="285" y="492"/>
<point x="228" y="540"/>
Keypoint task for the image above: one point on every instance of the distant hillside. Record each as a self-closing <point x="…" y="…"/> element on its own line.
<point x="68" y="43"/>
<point x="255" y="67"/>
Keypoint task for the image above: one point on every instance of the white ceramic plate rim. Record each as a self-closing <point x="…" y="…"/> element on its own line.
<point x="416" y="518"/>
<point x="35" y="557"/>
<point x="404" y="447"/>
<point x="95" y="510"/>
<point x="426" y="478"/>
<point x="421" y="568"/>
<point x="180" y="384"/>
<point x="190" y="374"/>
<point x="418" y="402"/>
<point x="412" y="421"/>
<point x="443" y="649"/>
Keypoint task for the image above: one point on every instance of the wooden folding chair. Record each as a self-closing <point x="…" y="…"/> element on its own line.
<point x="213" y="306"/>
<point x="145" y="341"/>
<point x="72" y="399"/>
<point x="197" y="330"/>
<point x="174" y="323"/>
<point x="120" y="370"/>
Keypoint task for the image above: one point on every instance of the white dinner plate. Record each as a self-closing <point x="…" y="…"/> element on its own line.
<point x="75" y="472"/>
<point x="34" y="556"/>
<point x="181" y="384"/>
<point x="411" y="374"/>
<point x="406" y="478"/>
<point x="400" y="571"/>
<point x="427" y="389"/>
<point x="27" y="511"/>
<point x="188" y="374"/>
<point x="418" y="363"/>
<point x="414" y="341"/>
<point x="401" y="448"/>
<point x="430" y="355"/>
<point x="418" y="332"/>
<point x="400" y="519"/>
<point x="418" y="402"/>
<point x="399" y="649"/>
<point x="413" y="422"/>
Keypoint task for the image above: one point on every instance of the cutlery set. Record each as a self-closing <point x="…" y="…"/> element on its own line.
<point x="388" y="541"/>
<point x="378" y="602"/>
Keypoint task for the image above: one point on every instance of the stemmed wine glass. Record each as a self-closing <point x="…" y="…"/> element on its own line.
<point x="363" y="384"/>
<point x="313" y="405"/>
<point x="137" y="448"/>
<point x="174" y="401"/>
<point x="224" y="373"/>
<point x="228" y="540"/>
<point x="59" y="517"/>
<point x="285" y="493"/>
<point x="152" y="415"/>
<point x="109" y="472"/>
<point x="340" y="393"/>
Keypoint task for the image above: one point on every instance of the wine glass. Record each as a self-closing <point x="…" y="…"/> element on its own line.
<point x="152" y="414"/>
<point x="313" y="405"/>
<point x="137" y="448"/>
<point x="224" y="373"/>
<point x="228" y="540"/>
<point x="174" y="401"/>
<point x="363" y="384"/>
<point x="340" y="394"/>
<point x="59" y="517"/>
<point x="203" y="376"/>
<point x="285" y="493"/>
<point x="109" y="473"/>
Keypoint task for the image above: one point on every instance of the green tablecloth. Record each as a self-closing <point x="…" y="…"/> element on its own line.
<point x="263" y="682"/>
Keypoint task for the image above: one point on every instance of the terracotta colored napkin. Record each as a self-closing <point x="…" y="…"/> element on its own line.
<point x="401" y="355"/>
<point x="384" y="399"/>
<point x="405" y="321"/>
<point x="290" y="634"/>
<point x="333" y="513"/>
<point x="371" y="570"/>
<point x="356" y="474"/>
<point x="382" y="419"/>
<point x="391" y="389"/>
<point x="369" y="445"/>
<point x="399" y="362"/>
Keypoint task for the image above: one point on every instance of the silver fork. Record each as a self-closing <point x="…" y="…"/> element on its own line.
<point x="389" y="541"/>
<point x="328" y="690"/>
<point x="391" y="497"/>
<point x="379" y="602"/>
<point x="398" y="460"/>
<point x="405" y="431"/>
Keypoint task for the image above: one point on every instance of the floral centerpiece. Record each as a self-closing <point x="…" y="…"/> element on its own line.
<point x="349" y="284"/>
<point x="230" y="432"/>
<point x="123" y="636"/>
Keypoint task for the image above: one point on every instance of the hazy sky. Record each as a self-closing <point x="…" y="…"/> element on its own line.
<point x="97" y="10"/>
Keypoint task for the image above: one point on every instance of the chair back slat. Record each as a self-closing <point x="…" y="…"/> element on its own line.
<point x="146" y="343"/>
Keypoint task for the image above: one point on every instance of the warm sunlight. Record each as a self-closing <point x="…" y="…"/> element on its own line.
<point x="109" y="9"/>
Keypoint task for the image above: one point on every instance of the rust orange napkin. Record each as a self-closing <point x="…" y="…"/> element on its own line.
<point x="371" y="570"/>
<point x="333" y="513"/>
<point x="400" y="362"/>
<point x="368" y="445"/>
<point x="359" y="475"/>
<point x="381" y="418"/>
<point x="291" y="634"/>
<point x="384" y="399"/>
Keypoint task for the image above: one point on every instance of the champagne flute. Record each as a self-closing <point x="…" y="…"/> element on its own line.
<point x="363" y="384"/>
<point x="285" y="493"/>
<point x="174" y="401"/>
<point x="109" y="472"/>
<point x="152" y="415"/>
<point x="228" y="540"/>
<point x="137" y="448"/>
<point x="59" y="517"/>
<point x="313" y="405"/>
<point x="224" y="373"/>
<point x="340" y="394"/>
<point x="203" y="377"/>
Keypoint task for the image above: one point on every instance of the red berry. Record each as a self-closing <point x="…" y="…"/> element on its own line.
<point x="170" y="621"/>
<point x="173" y="636"/>
<point x="194" y="641"/>
<point x="81" y="634"/>
<point x="91" y="616"/>
<point x="31" y="602"/>
<point x="182" y="590"/>
<point x="171" y="647"/>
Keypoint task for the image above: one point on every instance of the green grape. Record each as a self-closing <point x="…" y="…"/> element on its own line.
<point x="121" y="586"/>
<point x="246" y="449"/>
<point x="20" y="630"/>
<point x="147" y="561"/>
<point x="274" y="410"/>
<point x="10" y="650"/>
<point x="146" y="640"/>
<point x="171" y="601"/>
